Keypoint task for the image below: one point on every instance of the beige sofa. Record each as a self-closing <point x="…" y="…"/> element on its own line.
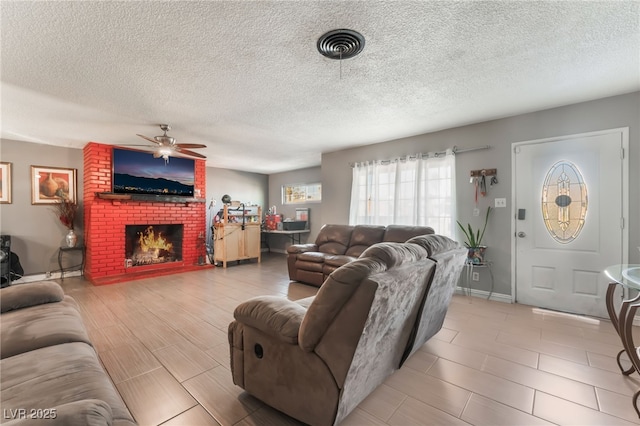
<point x="337" y="245"/>
<point x="49" y="372"/>
<point x="316" y="359"/>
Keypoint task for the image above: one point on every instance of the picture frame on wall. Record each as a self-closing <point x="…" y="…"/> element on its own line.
<point x="51" y="184"/>
<point x="5" y="183"/>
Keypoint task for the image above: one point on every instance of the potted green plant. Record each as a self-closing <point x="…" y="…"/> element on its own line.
<point x="474" y="240"/>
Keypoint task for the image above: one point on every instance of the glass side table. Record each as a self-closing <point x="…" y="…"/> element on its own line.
<point x="469" y="268"/>
<point x="627" y="276"/>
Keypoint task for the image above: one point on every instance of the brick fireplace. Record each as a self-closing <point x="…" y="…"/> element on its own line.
<point x="106" y="219"/>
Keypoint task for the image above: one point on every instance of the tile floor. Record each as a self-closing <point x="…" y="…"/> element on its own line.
<point x="164" y="343"/>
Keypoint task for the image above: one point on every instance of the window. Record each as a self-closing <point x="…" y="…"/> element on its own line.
<point x="410" y="191"/>
<point x="564" y="202"/>
<point x="301" y="193"/>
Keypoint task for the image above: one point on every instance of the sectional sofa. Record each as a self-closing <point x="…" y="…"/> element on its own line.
<point x="49" y="372"/>
<point x="316" y="359"/>
<point x="337" y="245"/>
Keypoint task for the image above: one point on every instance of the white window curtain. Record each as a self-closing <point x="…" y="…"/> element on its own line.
<point x="416" y="190"/>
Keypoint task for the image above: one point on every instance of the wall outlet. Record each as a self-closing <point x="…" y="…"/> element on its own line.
<point x="476" y="212"/>
<point x="475" y="276"/>
<point x="48" y="274"/>
<point x="501" y="202"/>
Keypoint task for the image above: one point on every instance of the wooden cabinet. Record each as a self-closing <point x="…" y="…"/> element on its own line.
<point x="237" y="235"/>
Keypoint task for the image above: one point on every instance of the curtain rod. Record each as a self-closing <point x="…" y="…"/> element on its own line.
<point x="455" y="150"/>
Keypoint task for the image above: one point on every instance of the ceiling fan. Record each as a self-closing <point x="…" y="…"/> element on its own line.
<point x="166" y="145"/>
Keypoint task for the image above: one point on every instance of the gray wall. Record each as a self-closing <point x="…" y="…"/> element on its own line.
<point x="36" y="233"/>
<point x="279" y="243"/>
<point x="614" y="112"/>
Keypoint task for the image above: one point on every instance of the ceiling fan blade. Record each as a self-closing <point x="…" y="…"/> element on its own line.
<point x="190" y="145"/>
<point x="187" y="152"/>
<point x="149" y="139"/>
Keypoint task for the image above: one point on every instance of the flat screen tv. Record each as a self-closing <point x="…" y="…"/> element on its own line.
<point x="138" y="172"/>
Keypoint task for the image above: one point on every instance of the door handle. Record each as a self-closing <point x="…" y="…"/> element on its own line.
<point x="521" y="234"/>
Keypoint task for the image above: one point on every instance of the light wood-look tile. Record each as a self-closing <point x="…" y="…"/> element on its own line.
<point x="227" y="403"/>
<point x="563" y="412"/>
<point x="500" y="350"/>
<point x="184" y="360"/>
<point x="597" y="377"/>
<point x="182" y="320"/>
<point x="155" y="397"/>
<point x="359" y="417"/>
<point x="552" y="384"/>
<point x="196" y="416"/>
<point x="485" y="411"/>
<point x="126" y="362"/>
<point x="443" y="395"/>
<point x="383" y="402"/>
<point x="110" y="337"/>
<point x="413" y="412"/>
<point x="493" y="387"/>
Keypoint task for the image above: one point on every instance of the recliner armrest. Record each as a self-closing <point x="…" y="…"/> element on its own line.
<point x="276" y="316"/>
<point x="301" y="248"/>
<point x="24" y="295"/>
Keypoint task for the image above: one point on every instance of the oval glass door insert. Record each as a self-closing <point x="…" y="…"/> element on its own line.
<point x="564" y="201"/>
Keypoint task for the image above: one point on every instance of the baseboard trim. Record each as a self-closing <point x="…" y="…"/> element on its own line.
<point x="45" y="277"/>
<point x="497" y="297"/>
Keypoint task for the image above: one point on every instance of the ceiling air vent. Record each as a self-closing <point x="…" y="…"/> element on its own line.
<point x="341" y="44"/>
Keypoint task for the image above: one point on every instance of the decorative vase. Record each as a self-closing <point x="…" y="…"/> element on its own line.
<point x="71" y="238"/>
<point x="475" y="255"/>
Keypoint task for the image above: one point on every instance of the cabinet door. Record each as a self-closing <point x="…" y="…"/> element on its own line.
<point x="233" y="236"/>
<point x="252" y="241"/>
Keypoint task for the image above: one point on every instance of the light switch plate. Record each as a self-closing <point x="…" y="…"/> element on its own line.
<point x="501" y="202"/>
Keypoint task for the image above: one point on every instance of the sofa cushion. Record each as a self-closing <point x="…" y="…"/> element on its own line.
<point x="394" y="254"/>
<point x="312" y="256"/>
<point x="274" y="315"/>
<point x="435" y="244"/>
<point x="362" y="237"/>
<point x="401" y="233"/>
<point x="20" y="296"/>
<point x="334" y="293"/>
<point x="334" y="239"/>
<point x="56" y="375"/>
<point x="338" y="260"/>
<point x="49" y="324"/>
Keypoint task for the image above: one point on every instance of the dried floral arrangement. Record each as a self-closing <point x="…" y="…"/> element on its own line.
<point x="66" y="211"/>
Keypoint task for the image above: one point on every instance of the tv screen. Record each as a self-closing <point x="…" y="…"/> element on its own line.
<point x="138" y="172"/>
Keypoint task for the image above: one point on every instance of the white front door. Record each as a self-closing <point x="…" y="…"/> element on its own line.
<point x="569" y="199"/>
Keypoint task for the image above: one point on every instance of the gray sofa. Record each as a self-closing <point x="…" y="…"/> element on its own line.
<point x="316" y="359"/>
<point x="337" y="245"/>
<point x="49" y="372"/>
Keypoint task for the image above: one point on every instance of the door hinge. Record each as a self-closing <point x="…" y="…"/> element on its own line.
<point x="622" y="223"/>
<point x="622" y="153"/>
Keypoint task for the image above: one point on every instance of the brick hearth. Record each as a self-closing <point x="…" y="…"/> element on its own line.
<point x="105" y="220"/>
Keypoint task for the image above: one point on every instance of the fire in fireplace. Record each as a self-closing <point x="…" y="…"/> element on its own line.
<point x="153" y="244"/>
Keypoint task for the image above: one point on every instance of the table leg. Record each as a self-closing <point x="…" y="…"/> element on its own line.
<point x="619" y="322"/>
<point x="60" y="265"/>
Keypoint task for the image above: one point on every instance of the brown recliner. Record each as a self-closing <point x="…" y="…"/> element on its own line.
<point x="316" y="359"/>
<point x="337" y="245"/>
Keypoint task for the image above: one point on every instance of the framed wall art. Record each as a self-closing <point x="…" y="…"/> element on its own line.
<point x="5" y="183"/>
<point x="50" y="184"/>
<point x="301" y="193"/>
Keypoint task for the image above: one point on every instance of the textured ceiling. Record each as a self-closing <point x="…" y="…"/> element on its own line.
<point x="245" y="78"/>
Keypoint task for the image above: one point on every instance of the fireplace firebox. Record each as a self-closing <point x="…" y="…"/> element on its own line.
<point x="153" y="244"/>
